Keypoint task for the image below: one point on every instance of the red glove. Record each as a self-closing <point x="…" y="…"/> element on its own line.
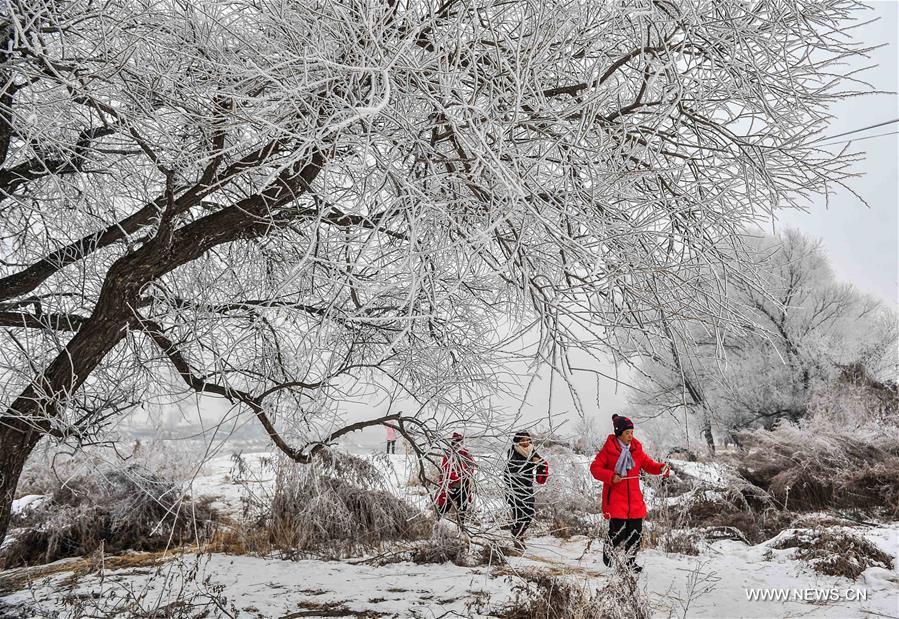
<point x="542" y="472"/>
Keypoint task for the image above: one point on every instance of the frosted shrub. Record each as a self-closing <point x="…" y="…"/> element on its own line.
<point x="337" y="506"/>
<point x="51" y="465"/>
<point x="819" y="467"/>
<point x="125" y="508"/>
<point x="569" y="501"/>
<point x="545" y="596"/>
<point x="836" y="552"/>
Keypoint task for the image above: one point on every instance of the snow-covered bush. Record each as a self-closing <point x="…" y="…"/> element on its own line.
<point x="542" y="595"/>
<point x="835" y="552"/>
<point x="818" y="467"/>
<point x="337" y="506"/>
<point x="50" y="465"/>
<point x="448" y="544"/>
<point x="705" y="501"/>
<point x="125" y="508"/>
<point x="727" y="514"/>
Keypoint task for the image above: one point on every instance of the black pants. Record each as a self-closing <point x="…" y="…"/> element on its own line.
<point x="391" y="447"/>
<point x="627" y="531"/>
<point x="522" y="504"/>
<point x="455" y="497"/>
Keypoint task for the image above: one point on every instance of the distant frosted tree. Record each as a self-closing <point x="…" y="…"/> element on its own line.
<point x="803" y="329"/>
<point x="283" y="202"/>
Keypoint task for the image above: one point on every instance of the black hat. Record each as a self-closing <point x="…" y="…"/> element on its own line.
<point x="621" y="424"/>
<point x="521" y="434"/>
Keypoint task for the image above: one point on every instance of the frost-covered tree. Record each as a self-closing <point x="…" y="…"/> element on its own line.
<point x="278" y="201"/>
<point x="804" y="329"/>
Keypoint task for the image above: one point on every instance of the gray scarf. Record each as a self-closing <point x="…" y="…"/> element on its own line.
<point x="625" y="460"/>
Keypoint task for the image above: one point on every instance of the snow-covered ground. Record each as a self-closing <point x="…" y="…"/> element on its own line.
<point x="717" y="583"/>
<point x="712" y="585"/>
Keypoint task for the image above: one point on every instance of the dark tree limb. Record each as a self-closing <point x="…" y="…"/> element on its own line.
<point x="56" y="322"/>
<point x="302" y="455"/>
<point x="30" y="278"/>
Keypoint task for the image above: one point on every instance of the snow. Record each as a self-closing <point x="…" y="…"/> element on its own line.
<point x="711" y="585"/>
<point x="886" y="538"/>
<point x="720" y="577"/>
<point x="220" y="478"/>
<point x="29" y="501"/>
<point x="711" y="473"/>
<point x="273" y="587"/>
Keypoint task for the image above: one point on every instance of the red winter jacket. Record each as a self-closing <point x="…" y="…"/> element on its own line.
<point x="456" y="469"/>
<point x="624" y="499"/>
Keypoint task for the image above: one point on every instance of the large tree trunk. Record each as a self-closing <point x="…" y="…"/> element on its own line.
<point x="16" y="444"/>
<point x="30" y="417"/>
<point x="113" y="314"/>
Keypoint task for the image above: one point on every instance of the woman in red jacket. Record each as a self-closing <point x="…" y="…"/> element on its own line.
<point x="456" y="480"/>
<point x="617" y="466"/>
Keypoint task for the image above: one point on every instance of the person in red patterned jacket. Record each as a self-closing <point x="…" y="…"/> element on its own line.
<point x="455" y="486"/>
<point x="617" y="466"/>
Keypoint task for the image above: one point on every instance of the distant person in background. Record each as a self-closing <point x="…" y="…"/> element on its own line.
<point x="524" y="463"/>
<point x="617" y="466"/>
<point x="391" y="439"/>
<point x="456" y="483"/>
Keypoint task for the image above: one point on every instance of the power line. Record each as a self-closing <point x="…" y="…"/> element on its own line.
<point x="839" y="135"/>
<point x="867" y="137"/>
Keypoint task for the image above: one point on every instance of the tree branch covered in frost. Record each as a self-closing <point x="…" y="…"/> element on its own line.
<point x="300" y="199"/>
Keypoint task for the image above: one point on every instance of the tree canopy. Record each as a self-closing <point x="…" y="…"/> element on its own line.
<point x="274" y="201"/>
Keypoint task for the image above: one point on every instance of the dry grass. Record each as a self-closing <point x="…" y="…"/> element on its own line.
<point x="543" y="595"/>
<point x="836" y="552"/>
<point x="329" y="609"/>
<point x="679" y="541"/>
<point x="456" y="552"/>
<point x="115" y="509"/>
<point x="444" y="545"/>
<point x="20" y="578"/>
<point x="819" y="468"/>
<point x="335" y="507"/>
